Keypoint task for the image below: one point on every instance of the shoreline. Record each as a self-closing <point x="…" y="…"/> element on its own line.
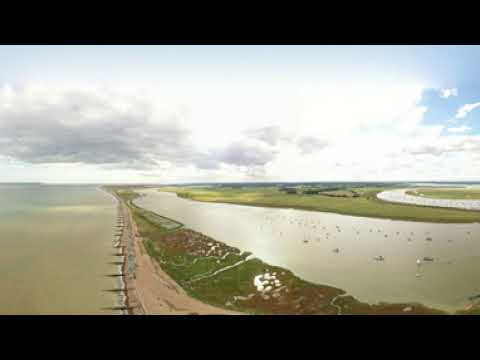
<point x="148" y="289"/>
<point x="258" y="301"/>
<point x="336" y="212"/>
<point x="411" y="219"/>
<point x="174" y="297"/>
<point x="133" y="305"/>
<point x="416" y="200"/>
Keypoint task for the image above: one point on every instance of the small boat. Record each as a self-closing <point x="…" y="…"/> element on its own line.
<point x="379" y="258"/>
<point x="336" y="250"/>
<point x="427" y="258"/>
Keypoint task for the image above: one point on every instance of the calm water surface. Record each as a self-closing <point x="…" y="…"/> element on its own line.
<point x="55" y="249"/>
<point x="278" y="237"/>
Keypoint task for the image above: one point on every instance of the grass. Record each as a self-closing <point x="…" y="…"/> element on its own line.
<point x="220" y="275"/>
<point x="127" y="195"/>
<point x="447" y="193"/>
<point x="365" y="204"/>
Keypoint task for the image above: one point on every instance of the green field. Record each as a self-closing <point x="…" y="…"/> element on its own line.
<point x="365" y="203"/>
<point x="447" y="193"/>
<point x="221" y="275"/>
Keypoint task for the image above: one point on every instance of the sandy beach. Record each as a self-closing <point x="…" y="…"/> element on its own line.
<point x="151" y="291"/>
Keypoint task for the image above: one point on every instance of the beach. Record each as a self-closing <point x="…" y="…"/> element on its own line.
<point x="148" y="289"/>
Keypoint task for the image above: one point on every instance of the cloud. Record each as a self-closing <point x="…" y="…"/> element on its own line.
<point x="446" y="93"/>
<point x="115" y="132"/>
<point x="84" y="127"/>
<point x="310" y="144"/>
<point x="465" y="109"/>
<point x="102" y="135"/>
<point x="459" y="130"/>
<point x="269" y="134"/>
<point x="428" y="150"/>
<point x="470" y="144"/>
<point x="246" y="154"/>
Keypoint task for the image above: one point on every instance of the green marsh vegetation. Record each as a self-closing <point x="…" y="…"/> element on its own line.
<point x="356" y="201"/>
<point x="223" y="276"/>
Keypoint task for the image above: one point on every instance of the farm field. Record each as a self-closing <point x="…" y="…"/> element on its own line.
<point x="365" y="203"/>
<point x="447" y="193"/>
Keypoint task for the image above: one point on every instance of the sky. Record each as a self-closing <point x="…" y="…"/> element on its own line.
<point x="181" y="114"/>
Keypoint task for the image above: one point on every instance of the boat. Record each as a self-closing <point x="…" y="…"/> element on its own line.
<point x="427" y="258"/>
<point x="379" y="258"/>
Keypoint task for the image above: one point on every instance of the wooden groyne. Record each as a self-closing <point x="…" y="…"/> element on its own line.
<point x="123" y="240"/>
<point x="120" y="263"/>
<point x="119" y="290"/>
<point x="128" y="309"/>
<point x="116" y="275"/>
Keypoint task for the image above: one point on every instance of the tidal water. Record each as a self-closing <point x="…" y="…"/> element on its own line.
<point x="56" y="249"/>
<point x="401" y="196"/>
<point x="304" y="242"/>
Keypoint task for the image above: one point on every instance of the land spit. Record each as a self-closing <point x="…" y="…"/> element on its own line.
<point x="197" y="268"/>
<point x="148" y="289"/>
<point x="339" y="251"/>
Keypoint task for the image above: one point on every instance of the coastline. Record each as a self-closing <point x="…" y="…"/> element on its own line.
<point x="157" y="293"/>
<point x="129" y="304"/>
<point x="294" y="295"/>
<point x="149" y="290"/>
<point x="347" y="213"/>
<point x="379" y="217"/>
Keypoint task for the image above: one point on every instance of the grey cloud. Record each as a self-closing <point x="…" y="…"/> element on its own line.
<point x="257" y="173"/>
<point x="271" y="135"/>
<point x="428" y="150"/>
<point x="207" y="161"/>
<point x="435" y="150"/>
<point x="246" y="155"/>
<point x="85" y="128"/>
<point x="310" y="144"/>
<point x="119" y="133"/>
<point x="239" y="154"/>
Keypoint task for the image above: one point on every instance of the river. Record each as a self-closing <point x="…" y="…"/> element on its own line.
<point x="303" y="241"/>
<point x="401" y="196"/>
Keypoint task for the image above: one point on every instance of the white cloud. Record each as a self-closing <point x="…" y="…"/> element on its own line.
<point x="446" y="93"/>
<point x="459" y="130"/>
<point x="465" y="109"/>
<point x="227" y="133"/>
